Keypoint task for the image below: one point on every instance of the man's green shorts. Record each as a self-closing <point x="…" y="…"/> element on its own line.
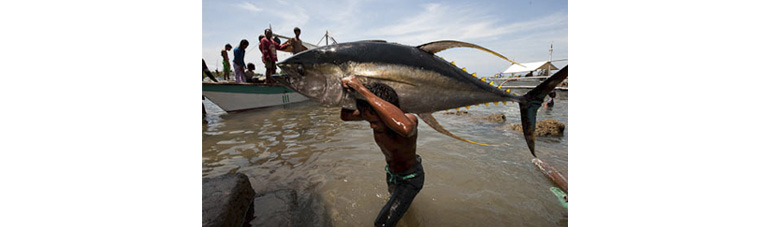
<point x="226" y="66"/>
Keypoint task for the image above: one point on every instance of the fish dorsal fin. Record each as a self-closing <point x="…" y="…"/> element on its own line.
<point x="437" y="46"/>
<point x="431" y="121"/>
<point x="373" y="41"/>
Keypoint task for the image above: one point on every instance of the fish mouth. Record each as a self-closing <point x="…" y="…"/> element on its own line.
<point x="283" y="66"/>
<point x="281" y="79"/>
<point x="291" y="68"/>
<point x="287" y="70"/>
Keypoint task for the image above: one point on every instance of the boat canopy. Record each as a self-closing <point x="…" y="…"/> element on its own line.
<point x="528" y="67"/>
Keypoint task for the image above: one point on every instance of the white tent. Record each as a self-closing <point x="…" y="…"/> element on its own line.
<point x="528" y="67"/>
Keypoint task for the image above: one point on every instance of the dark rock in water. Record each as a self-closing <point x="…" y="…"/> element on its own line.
<point x="498" y="118"/>
<point x="226" y="200"/>
<point x="274" y="208"/>
<point x="548" y="127"/>
<point x="285" y="208"/>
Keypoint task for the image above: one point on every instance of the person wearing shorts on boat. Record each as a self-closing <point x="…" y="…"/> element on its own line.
<point x="238" y="63"/>
<point x="395" y="132"/>
<point x="226" y="61"/>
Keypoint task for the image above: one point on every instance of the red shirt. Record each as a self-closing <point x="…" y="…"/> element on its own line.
<point x="268" y="48"/>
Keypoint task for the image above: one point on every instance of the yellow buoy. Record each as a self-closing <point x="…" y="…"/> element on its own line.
<point x="474" y="74"/>
<point x="507" y="90"/>
<point x="464" y="70"/>
<point x="468" y="107"/>
<point x="453" y="63"/>
<point x="487" y="104"/>
<point x="490" y="83"/>
<point x="495" y="103"/>
<point x="505" y="102"/>
<point x="483" y="79"/>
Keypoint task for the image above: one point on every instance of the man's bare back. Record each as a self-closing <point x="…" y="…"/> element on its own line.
<point x="224" y="55"/>
<point x="399" y="151"/>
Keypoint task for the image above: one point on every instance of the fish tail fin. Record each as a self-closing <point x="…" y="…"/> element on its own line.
<point x="532" y="102"/>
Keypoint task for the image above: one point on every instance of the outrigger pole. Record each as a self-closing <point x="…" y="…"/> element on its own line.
<point x="327" y="37"/>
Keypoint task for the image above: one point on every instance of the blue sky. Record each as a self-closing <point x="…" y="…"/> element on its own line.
<point x="520" y="30"/>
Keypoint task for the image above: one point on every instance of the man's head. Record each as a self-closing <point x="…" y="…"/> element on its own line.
<point x="552" y="94"/>
<point x="381" y="90"/>
<point x="250" y="66"/>
<point x="244" y="43"/>
<point x="297" y="31"/>
<point x="261" y="36"/>
<point x="269" y="33"/>
<point x="228" y="47"/>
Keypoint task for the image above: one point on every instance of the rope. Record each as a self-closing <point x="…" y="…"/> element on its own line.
<point x="392" y="177"/>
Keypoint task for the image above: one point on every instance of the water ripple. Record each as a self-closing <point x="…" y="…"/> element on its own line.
<point x="307" y="148"/>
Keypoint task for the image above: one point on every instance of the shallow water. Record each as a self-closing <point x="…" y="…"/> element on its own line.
<point x="337" y="169"/>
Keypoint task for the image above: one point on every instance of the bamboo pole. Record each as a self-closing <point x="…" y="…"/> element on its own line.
<point x="552" y="174"/>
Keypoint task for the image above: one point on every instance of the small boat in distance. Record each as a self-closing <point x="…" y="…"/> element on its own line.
<point x="231" y="96"/>
<point x="524" y="77"/>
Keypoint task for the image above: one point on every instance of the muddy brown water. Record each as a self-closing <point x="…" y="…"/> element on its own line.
<point x="337" y="170"/>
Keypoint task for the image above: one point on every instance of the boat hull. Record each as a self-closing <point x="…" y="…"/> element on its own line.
<point x="237" y="97"/>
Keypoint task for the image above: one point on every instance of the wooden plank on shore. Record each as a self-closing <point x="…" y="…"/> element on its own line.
<point x="552" y="174"/>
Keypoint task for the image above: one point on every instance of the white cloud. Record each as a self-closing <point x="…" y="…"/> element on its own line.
<point x="287" y="20"/>
<point x="249" y="7"/>
<point x="437" y="22"/>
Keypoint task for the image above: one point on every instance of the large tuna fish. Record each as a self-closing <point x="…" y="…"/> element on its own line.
<point x="424" y="82"/>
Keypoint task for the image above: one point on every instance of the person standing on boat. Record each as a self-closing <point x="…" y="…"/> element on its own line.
<point x="296" y="43"/>
<point x="395" y="132"/>
<point x="226" y="61"/>
<point x="238" y="63"/>
<point x="268" y="47"/>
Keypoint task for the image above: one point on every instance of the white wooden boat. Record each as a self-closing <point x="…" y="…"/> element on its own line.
<point x="232" y="96"/>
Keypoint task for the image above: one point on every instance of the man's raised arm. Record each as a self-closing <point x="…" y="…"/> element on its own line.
<point x="391" y="115"/>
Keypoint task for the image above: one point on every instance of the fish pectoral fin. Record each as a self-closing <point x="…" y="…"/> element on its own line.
<point x="437" y="46"/>
<point x="428" y="119"/>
